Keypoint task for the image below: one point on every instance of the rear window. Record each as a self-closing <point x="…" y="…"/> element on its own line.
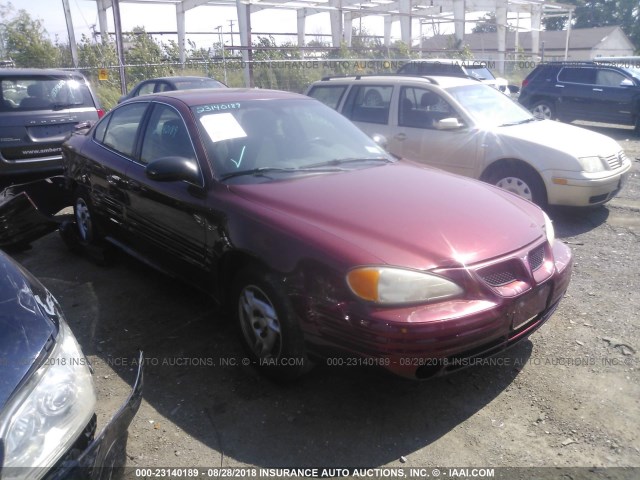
<point x="24" y="93"/>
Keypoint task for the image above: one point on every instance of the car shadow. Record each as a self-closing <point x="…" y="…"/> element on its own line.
<point x="617" y="132"/>
<point x="572" y="221"/>
<point x="196" y="377"/>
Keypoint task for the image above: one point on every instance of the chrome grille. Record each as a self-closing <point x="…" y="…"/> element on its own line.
<point x="497" y="279"/>
<point x="536" y="258"/>
<point x="614" y="161"/>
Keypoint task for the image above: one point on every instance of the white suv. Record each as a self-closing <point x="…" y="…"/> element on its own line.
<point x="469" y="128"/>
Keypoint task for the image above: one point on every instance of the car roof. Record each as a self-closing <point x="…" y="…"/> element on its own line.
<point x="207" y="95"/>
<point x="22" y="72"/>
<point x="179" y="78"/>
<point x="436" y="80"/>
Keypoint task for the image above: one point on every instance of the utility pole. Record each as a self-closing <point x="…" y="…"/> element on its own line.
<point x="231" y="24"/>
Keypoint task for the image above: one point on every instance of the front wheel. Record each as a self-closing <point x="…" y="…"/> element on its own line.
<point x="269" y="327"/>
<point x="543" y="110"/>
<point x="521" y="181"/>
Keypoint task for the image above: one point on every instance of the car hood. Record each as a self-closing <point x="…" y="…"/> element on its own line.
<point x="569" y="139"/>
<point x="28" y="324"/>
<point x="403" y="214"/>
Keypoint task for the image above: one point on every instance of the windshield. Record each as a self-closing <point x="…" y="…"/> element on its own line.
<point x="269" y="137"/>
<point x="488" y="106"/>
<point x="479" y="71"/>
<point x="634" y="72"/>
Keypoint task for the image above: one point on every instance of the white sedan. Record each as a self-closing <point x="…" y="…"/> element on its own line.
<point x="465" y="127"/>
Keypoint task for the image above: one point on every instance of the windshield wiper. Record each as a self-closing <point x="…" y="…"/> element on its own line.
<point x="257" y="172"/>
<point x="342" y="161"/>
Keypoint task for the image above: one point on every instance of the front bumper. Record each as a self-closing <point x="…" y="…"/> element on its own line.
<point x="100" y="458"/>
<point x="430" y="340"/>
<point x="584" y="189"/>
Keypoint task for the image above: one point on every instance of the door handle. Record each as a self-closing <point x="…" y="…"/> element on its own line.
<point x="597" y="89"/>
<point x="559" y="86"/>
<point x="400" y="136"/>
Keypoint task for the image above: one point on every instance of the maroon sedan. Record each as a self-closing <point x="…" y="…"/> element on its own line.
<point x="325" y="246"/>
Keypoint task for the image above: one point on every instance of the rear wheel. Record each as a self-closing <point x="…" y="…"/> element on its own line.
<point x="543" y="110"/>
<point x="522" y="181"/>
<point x="84" y="218"/>
<point x="268" y="326"/>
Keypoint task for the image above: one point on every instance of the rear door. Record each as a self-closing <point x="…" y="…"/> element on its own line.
<point x="369" y="107"/>
<point x="612" y="101"/>
<point x="105" y="162"/>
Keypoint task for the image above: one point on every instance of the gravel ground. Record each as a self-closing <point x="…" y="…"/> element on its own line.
<point x="568" y="397"/>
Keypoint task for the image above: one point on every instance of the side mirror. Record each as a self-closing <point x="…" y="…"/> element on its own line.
<point x="381" y="141"/>
<point x="171" y="169"/>
<point x="627" y="82"/>
<point x="448" y="124"/>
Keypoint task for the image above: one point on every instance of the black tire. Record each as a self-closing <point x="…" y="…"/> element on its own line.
<point x="544" y="110"/>
<point x="86" y="228"/>
<point x="522" y="181"/>
<point x="268" y="326"/>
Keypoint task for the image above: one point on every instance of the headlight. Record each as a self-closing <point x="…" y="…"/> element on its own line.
<point x="548" y="229"/>
<point x="591" y="164"/>
<point x="388" y="285"/>
<point x="50" y="411"/>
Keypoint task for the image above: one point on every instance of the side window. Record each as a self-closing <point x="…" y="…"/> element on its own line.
<point x="578" y="75"/>
<point x="422" y="108"/>
<point x="369" y="103"/>
<point x="120" y="134"/>
<point x="163" y="87"/>
<point x="330" y="95"/>
<point x="147" y="88"/>
<point x="166" y="136"/>
<point x="609" y="78"/>
<point x="100" y="130"/>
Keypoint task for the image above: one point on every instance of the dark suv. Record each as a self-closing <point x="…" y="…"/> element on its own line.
<point x="38" y="109"/>
<point x="595" y="91"/>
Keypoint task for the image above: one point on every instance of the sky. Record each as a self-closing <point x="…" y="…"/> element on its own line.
<point x="201" y="19"/>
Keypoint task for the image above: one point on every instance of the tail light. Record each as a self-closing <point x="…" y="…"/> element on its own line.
<point x="100" y="112"/>
<point x="525" y="82"/>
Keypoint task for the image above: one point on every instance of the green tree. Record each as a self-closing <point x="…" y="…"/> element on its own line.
<point x="602" y="13"/>
<point x="25" y="41"/>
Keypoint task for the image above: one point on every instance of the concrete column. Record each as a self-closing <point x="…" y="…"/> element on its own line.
<point x="388" y="22"/>
<point x="405" y="20"/>
<point x="301" y="23"/>
<point x="72" y="37"/>
<point x="102" y="19"/>
<point x="335" y="16"/>
<point x="459" y="16"/>
<point x="501" y="23"/>
<point x="244" y="25"/>
<point x="536" y="23"/>
<point x="348" y="28"/>
<point x="180" y="22"/>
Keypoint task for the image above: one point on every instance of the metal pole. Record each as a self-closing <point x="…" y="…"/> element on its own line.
<point x="72" y="37"/>
<point x="115" y="4"/>
<point x="566" y="45"/>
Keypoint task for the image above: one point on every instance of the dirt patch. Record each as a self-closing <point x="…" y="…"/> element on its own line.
<point x="568" y="397"/>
